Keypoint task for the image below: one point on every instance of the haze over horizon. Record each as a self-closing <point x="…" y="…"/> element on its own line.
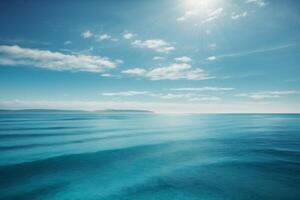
<point x="188" y="56"/>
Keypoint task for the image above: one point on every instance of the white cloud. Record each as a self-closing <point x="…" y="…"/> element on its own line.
<point x="157" y="45"/>
<point x="106" y="75"/>
<point x="172" y="72"/>
<point x="86" y="34"/>
<point x="103" y="37"/>
<point x="126" y="94"/>
<point x="164" y="96"/>
<point x="184" y="59"/>
<point x="231" y="55"/>
<point x="259" y="3"/>
<point x="208" y="98"/>
<point x="210" y="16"/>
<point x="235" y="16"/>
<point x="98" y="37"/>
<point x="174" y="96"/>
<point x="16" y="55"/>
<point x="158" y="58"/>
<point x="128" y="35"/>
<point x="135" y="72"/>
<point x="216" y="89"/>
<point x="188" y="97"/>
<point x="211" y="58"/>
<point x="215" y="14"/>
<point x="67" y="42"/>
<point x="187" y="15"/>
<point x="267" y="94"/>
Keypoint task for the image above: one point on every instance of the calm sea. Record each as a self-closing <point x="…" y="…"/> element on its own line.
<point x="86" y="155"/>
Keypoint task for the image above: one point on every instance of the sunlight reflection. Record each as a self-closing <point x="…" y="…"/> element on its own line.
<point x="201" y="5"/>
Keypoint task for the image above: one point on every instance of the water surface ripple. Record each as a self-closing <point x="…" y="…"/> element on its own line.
<point x="89" y="155"/>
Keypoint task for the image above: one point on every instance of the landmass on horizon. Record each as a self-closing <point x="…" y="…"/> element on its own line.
<point x="72" y="111"/>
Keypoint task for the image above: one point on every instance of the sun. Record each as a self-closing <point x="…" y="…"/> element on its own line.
<point x="200" y="5"/>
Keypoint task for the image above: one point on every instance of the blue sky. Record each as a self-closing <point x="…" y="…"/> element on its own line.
<point x="161" y="55"/>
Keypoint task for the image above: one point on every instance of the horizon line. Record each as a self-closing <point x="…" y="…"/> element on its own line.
<point x="141" y="110"/>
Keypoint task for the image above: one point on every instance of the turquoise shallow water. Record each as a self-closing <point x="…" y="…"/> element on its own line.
<point x="82" y="155"/>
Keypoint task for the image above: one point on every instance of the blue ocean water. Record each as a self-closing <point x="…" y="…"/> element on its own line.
<point x="89" y="155"/>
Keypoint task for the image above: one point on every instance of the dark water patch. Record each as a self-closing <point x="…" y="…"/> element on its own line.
<point x="281" y="153"/>
<point x="4" y="148"/>
<point x="222" y="180"/>
<point x="41" y="128"/>
<point x="69" y="133"/>
<point x="92" y="139"/>
<point x="38" y="193"/>
<point x="171" y="188"/>
<point x="73" y="167"/>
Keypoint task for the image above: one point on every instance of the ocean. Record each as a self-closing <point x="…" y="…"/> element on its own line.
<point x="119" y="155"/>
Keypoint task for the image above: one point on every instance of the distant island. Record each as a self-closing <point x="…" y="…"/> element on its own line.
<point x="124" y="111"/>
<point x="39" y="110"/>
<point x="75" y="111"/>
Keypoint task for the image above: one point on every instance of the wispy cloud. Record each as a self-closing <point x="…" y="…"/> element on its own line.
<point x="211" y="58"/>
<point x="158" y="58"/>
<point x="215" y="89"/>
<point x="103" y="36"/>
<point x="98" y="37"/>
<point x="215" y="14"/>
<point x="187" y="15"/>
<point x="267" y="94"/>
<point x="68" y="42"/>
<point x="157" y="45"/>
<point x="16" y="55"/>
<point x="126" y="93"/>
<point x="183" y="96"/>
<point x="87" y="34"/>
<point x="189" y="97"/>
<point x="207" y="98"/>
<point x="259" y="3"/>
<point x="184" y="59"/>
<point x="245" y="53"/>
<point x="135" y="72"/>
<point x="174" y="96"/>
<point x="174" y="71"/>
<point x="128" y="35"/>
<point x="236" y="16"/>
<point x="210" y="15"/>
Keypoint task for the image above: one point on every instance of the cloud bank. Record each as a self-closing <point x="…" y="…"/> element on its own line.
<point x="174" y="71"/>
<point x="16" y="55"/>
<point x="157" y="45"/>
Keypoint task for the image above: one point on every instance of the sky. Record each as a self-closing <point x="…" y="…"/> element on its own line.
<point x="169" y="56"/>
